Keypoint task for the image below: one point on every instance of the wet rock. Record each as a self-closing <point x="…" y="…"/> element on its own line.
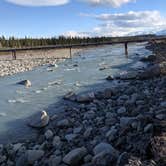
<point x="150" y="58"/>
<point x="74" y="157"/>
<point x="87" y="158"/>
<point x="70" y="137"/>
<point x="48" y="134"/>
<point x="2" y="159"/>
<point x="84" y="98"/>
<point x="57" y="142"/>
<point x="70" y="96"/>
<point x="39" y="120"/>
<point x="77" y="130"/>
<point x="88" y="132"/>
<point x="126" y="120"/>
<point x="26" y="83"/>
<point x="111" y="134"/>
<point x="161" y="116"/>
<point x="110" y="78"/>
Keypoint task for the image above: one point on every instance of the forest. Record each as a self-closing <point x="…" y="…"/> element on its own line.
<point x="13" y="42"/>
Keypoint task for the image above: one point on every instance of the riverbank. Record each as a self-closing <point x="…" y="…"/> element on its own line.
<point x="123" y="125"/>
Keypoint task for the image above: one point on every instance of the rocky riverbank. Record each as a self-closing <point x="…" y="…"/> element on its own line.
<point x="123" y="125"/>
<point x="16" y="66"/>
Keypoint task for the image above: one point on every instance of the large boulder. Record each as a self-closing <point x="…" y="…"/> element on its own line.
<point x="40" y="120"/>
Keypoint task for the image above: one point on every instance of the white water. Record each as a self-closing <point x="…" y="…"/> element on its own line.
<point x="17" y="102"/>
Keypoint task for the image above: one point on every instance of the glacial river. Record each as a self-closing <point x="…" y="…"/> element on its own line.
<point x="49" y="85"/>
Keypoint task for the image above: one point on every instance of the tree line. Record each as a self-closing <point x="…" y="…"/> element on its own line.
<point x="13" y="42"/>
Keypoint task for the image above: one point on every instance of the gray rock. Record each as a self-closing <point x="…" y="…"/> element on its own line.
<point x="40" y="120"/>
<point x="105" y="147"/>
<point x="148" y="128"/>
<point x="87" y="158"/>
<point x="57" y="142"/>
<point x="63" y="123"/>
<point x="70" y="137"/>
<point x="26" y="83"/>
<point x="161" y="116"/>
<point x="75" y="156"/>
<point x="55" y="160"/>
<point x="48" y="134"/>
<point x="123" y="159"/>
<point x="17" y="146"/>
<point x="34" y="155"/>
<point x="121" y="110"/>
<point x="126" y="121"/>
<point x="2" y="159"/>
<point x="70" y="96"/>
<point x="84" y="98"/>
<point x="77" y="130"/>
<point x="163" y="104"/>
<point x="88" y="132"/>
<point x="111" y="134"/>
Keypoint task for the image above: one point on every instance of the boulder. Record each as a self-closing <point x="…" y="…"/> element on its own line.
<point x="64" y="123"/>
<point x="34" y="155"/>
<point x="85" y="98"/>
<point x="26" y="83"/>
<point x="39" y="120"/>
<point x="74" y="157"/>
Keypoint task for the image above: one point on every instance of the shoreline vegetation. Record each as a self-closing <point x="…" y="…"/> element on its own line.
<point x="121" y="126"/>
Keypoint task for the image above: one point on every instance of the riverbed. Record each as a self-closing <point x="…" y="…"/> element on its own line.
<point x="83" y="72"/>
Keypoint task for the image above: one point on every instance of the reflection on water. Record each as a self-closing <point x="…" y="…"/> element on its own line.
<point x="48" y="86"/>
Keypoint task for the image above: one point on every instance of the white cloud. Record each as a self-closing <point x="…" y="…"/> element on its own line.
<point x="76" y="34"/>
<point x="130" y="23"/>
<point x="38" y="2"/>
<point x="113" y="3"/>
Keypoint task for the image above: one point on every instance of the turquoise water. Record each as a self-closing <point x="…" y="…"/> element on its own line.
<point x="78" y="74"/>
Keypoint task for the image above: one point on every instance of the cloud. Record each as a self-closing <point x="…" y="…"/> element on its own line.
<point x="113" y="3"/>
<point x="121" y="24"/>
<point x="38" y="2"/>
<point x="76" y="34"/>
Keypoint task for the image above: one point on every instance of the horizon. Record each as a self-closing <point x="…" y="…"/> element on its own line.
<point x="81" y="18"/>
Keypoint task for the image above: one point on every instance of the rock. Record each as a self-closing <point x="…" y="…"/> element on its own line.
<point x="48" y="134"/>
<point x="22" y="160"/>
<point x="55" y="160"/>
<point x="123" y="159"/>
<point x="17" y="146"/>
<point x="84" y="98"/>
<point x="121" y="110"/>
<point x="74" y="157"/>
<point x="64" y="123"/>
<point x="2" y="159"/>
<point x="39" y="120"/>
<point x="105" y="147"/>
<point x="70" y="96"/>
<point x="161" y="116"/>
<point x="70" y="137"/>
<point x="148" y="128"/>
<point x="111" y="134"/>
<point x="87" y="158"/>
<point x="34" y="155"/>
<point x="77" y="130"/>
<point x="110" y="77"/>
<point x="150" y="58"/>
<point x="88" y="132"/>
<point x="163" y="104"/>
<point x="129" y="75"/>
<point x="126" y="121"/>
<point x="27" y="83"/>
<point x="57" y="142"/>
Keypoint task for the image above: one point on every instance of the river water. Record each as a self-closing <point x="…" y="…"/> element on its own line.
<point x="49" y="84"/>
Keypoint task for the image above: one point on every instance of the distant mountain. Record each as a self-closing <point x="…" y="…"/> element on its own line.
<point x="163" y="32"/>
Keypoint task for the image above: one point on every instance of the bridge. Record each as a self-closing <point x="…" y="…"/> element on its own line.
<point x="125" y="41"/>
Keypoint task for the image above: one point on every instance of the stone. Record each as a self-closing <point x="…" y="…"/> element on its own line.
<point x="111" y="134"/>
<point x="88" y="132"/>
<point x="70" y="96"/>
<point x="85" y="98"/>
<point x="126" y="121"/>
<point x="105" y="147"/>
<point x="148" y="128"/>
<point x="161" y="116"/>
<point x="123" y="159"/>
<point x="54" y="160"/>
<point x="110" y="77"/>
<point x="149" y="58"/>
<point x="57" y="142"/>
<point x="77" y="130"/>
<point x="17" y="146"/>
<point x="121" y="110"/>
<point x="2" y="159"/>
<point x="39" y="120"/>
<point x="48" y="134"/>
<point x="87" y="158"/>
<point x="64" y="123"/>
<point x="70" y="137"/>
<point x="74" y="157"/>
<point x="163" y="104"/>
<point x="34" y="155"/>
<point x="26" y="83"/>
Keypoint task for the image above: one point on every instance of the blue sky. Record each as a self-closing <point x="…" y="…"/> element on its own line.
<point x="45" y="18"/>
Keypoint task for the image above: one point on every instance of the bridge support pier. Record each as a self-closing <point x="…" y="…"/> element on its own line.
<point x="70" y="53"/>
<point x="126" y="49"/>
<point x="14" y="55"/>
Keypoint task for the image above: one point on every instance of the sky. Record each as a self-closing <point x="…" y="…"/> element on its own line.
<point x="50" y="18"/>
